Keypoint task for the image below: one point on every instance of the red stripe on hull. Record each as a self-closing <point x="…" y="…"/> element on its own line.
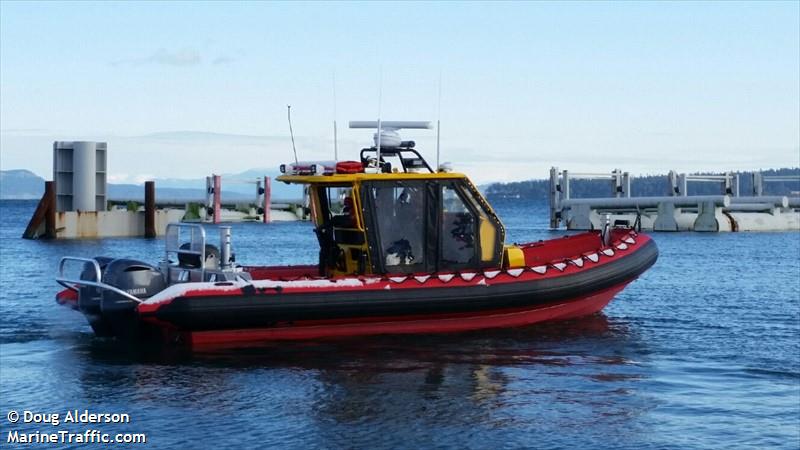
<point x="493" y="319"/>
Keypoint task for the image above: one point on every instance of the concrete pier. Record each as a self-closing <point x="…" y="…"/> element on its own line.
<point x="75" y="204"/>
<point x="676" y="211"/>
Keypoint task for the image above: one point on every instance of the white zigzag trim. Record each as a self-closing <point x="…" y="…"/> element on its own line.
<point x="515" y="272"/>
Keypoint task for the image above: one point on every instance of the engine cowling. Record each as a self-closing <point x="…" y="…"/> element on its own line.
<point x="134" y="277"/>
<point x="90" y="298"/>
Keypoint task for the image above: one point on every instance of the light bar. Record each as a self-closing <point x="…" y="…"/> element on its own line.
<point x="309" y="168"/>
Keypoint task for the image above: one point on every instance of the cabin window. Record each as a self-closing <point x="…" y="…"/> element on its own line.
<point x="489" y="232"/>
<point x="342" y="241"/>
<point x="458" y="231"/>
<point x="399" y="214"/>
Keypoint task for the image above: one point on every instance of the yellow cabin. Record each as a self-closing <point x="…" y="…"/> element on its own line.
<point x="391" y="213"/>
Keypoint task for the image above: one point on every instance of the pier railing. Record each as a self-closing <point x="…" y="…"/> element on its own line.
<point x="674" y="212"/>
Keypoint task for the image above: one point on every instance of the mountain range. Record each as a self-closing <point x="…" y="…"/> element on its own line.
<point x="23" y="184"/>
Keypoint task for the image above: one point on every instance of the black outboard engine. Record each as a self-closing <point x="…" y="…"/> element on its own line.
<point x="89" y="298"/>
<point x="110" y="313"/>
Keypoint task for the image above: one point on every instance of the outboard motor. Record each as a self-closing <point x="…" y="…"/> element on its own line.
<point x="89" y="298"/>
<point x="134" y="277"/>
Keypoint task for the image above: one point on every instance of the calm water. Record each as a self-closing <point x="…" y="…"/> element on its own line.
<point x="703" y="351"/>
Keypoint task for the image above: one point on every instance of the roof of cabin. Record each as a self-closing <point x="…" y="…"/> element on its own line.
<point x="359" y="177"/>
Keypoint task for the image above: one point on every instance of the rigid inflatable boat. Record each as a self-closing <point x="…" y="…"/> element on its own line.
<point x="403" y="248"/>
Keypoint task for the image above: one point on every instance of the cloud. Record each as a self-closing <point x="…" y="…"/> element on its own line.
<point x="124" y="178"/>
<point x="178" y="58"/>
<point x="223" y="59"/>
<point x="118" y="177"/>
<point x="184" y="57"/>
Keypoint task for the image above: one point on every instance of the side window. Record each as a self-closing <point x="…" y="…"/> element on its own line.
<point x="458" y="231"/>
<point x="334" y="207"/>
<point x="400" y="219"/>
<point x="488" y="232"/>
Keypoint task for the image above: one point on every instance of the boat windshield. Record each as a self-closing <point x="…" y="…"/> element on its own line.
<point x="417" y="226"/>
<point x="399" y="212"/>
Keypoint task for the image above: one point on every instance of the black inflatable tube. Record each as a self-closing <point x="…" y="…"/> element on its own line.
<point x="264" y="310"/>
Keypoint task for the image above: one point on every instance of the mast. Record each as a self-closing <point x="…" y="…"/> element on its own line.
<point x="380" y="100"/>
<point x="438" y="122"/>
<point x="335" y="137"/>
<point x="291" y="132"/>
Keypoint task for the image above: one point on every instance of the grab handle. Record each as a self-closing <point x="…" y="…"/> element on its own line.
<point x="74" y="284"/>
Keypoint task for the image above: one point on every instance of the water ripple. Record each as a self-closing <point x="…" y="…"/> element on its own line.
<point x="702" y="352"/>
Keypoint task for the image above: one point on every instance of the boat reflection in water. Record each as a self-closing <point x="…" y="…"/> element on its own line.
<point x="571" y="372"/>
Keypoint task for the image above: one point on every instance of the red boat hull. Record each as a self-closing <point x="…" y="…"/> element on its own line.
<point x="568" y="309"/>
<point x="287" y="304"/>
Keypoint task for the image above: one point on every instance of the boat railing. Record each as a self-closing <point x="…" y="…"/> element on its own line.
<point x="180" y="234"/>
<point x="75" y="283"/>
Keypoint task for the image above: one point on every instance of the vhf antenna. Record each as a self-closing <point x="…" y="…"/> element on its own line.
<point x="291" y="133"/>
<point x="380" y="100"/>
<point x="335" y="137"/>
<point x="438" y="121"/>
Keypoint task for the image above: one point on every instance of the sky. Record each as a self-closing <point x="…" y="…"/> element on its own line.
<point x="182" y="89"/>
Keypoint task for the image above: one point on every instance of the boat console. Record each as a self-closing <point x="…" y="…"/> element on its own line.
<point x="187" y="259"/>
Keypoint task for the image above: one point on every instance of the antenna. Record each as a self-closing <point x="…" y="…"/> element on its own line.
<point x="438" y="122"/>
<point x="380" y="100"/>
<point x="335" y="137"/>
<point x="291" y="133"/>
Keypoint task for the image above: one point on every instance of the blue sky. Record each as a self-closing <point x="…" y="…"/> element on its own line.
<point x="645" y="87"/>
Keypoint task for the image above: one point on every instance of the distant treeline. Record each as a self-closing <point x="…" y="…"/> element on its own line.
<point x="644" y="186"/>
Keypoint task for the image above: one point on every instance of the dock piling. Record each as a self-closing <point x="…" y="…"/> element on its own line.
<point x="149" y="209"/>
<point x="267" y="199"/>
<point x="554" y="197"/>
<point x="50" y="213"/>
<point x="45" y="213"/>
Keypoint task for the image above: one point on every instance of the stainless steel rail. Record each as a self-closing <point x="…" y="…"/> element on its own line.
<point x="73" y="284"/>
